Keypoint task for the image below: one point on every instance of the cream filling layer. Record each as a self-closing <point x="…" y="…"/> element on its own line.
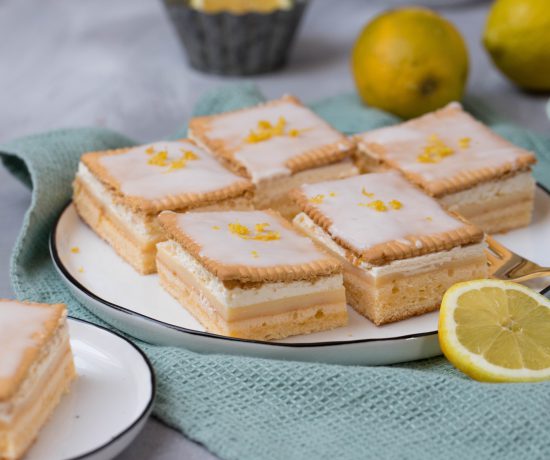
<point x="135" y="222"/>
<point x="257" y="301"/>
<point x="487" y="191"/>
<point x="182" y="279"/>
<point x="402" y="267"/>
<point x="25" y="427"/>
<point x="53" y="352"/>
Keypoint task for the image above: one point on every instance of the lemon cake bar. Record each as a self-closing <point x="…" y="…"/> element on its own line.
<point x="119" y="193"/>
<point x="279" y="145"/>
<point x="250" y="274"/>
<point x="36" y="369"/>
<point x="461" y="162"/>
<point x="400" y="249"/>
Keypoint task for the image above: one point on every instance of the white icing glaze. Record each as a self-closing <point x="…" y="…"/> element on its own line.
<point x="18" y="324"/>
<point x="393" y="134"/>
<point x="363" y="227"/>
<point x="266" y="159"/>
<point x="404" y="142"/>
<point x="138" y="178"/>
<point x="228" y="248"/>
<point x="416" y="264"/>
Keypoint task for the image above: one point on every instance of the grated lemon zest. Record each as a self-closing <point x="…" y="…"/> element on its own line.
<point x="435" y="150"/>
<point x="243" y="232"/>
<point x="317" y="199"/>
<point x="265" y="130"/>
<point x="464" y="142"/>
<point x="364" y="192"/>
<point x="396" y="204"/>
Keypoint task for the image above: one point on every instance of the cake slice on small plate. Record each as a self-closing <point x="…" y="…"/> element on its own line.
<point x="461" y="162"/>
<point x="36" y="369"/>
<point x="279" y="145"/>
<point x="250" y="274"/>
<point x="119" y="193"/>
<point x="400" y="249"/>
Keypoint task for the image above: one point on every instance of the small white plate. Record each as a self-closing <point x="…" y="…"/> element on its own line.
<point x="136" y="304"/>
<point x="108" y="403"/>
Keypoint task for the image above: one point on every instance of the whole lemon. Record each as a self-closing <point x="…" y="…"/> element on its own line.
<point x="409" y="61"/>
<point x="517" y="36"/>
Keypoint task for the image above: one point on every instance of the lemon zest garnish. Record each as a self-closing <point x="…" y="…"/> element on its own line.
<point x="435" y="150"/>
<point x="243" y="232"/>
<point x="464" y="142"/>
<point x="177" y="164"/>
<point x="75" y="249"/>
<point x="378" y="205"/>
<point x="396" y="204"/>
<point x="364" y="192"/>
<point x="159" y="159"/>
<point x="332" y="194"/>
<point x="260" y="228"/>
<point x="81" y="270"/>
<point x="280" y="126"/>
<point x="429" y="219"/>
<point x="268" y="236"/>
<point x="150" y="150"/>
<point x="189" y="155"/>
<point x="238" y="229"/>
<point x="265" y="130"/>
<point x="254" y="137"/>
<point x="317" y="199"/>
<point x="255" y="254"/>
<point x="215" y="227"/>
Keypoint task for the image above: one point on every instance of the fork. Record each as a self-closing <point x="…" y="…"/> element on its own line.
<point x="507" y="265"/>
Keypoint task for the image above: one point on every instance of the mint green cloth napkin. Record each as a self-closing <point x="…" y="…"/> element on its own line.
<point x="244" y="408"/>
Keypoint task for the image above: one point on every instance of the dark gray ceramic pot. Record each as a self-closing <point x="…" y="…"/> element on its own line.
<point x="235" y="44"/>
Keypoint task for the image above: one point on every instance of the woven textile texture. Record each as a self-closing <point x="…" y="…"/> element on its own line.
<point x="243" y="408"/>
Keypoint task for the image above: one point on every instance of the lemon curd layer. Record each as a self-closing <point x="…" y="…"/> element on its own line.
<point x="36" y="369"/>
<point x="238" y="303"/>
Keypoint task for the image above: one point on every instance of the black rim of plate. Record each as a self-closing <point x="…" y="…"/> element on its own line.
<point x="65" y="273"/>
<point x="149" y="406"/>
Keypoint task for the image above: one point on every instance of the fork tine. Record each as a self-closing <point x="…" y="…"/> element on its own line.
<point x="492" y="259"/>
<point x="495" y="255"/>
<point x="495" y="247"/>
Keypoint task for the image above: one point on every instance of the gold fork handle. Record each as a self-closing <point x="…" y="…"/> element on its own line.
<point x="542" y="272"/>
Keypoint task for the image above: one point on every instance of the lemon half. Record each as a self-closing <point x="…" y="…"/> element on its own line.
<point x="496" y="331"/>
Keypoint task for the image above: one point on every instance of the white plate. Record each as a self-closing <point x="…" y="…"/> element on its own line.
<point x="136" y="304"/>
<point x="108" y="403"/>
